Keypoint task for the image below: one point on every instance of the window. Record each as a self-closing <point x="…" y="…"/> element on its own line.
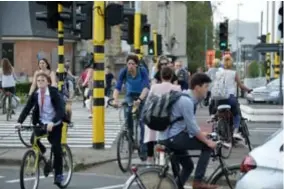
<point x="8" y="52"/>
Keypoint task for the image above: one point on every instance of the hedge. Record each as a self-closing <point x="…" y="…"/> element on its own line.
<point x="23" y="88"/>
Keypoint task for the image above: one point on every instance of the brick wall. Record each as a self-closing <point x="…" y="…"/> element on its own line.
<point x="25" y="54"/>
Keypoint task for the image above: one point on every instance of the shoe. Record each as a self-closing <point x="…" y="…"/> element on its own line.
<point x="58" y="180"/>
<point x="90" y="116"/>
<point x="202" y="185"/>
<point x="238" y="136"/>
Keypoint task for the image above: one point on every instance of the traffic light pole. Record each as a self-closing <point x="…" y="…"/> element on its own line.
<point x="98" y="110"/>
<point x="281" y="75"/>
<point x="155" y="39"/>
<point x="268" y="60"/>
<point x="137" y="29"/>
<point x="60" y="35"/>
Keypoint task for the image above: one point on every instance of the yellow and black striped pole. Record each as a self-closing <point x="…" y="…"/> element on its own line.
<point x="98" y="75"/>
<point x="276" y="66"/>
<point x="268" y="60"/>
<point x="61" y="65"/>
<point x="137" y="29"/>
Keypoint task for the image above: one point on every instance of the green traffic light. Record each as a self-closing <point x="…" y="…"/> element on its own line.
<point x="223" y="44"/>
<point x="145" y="39"/>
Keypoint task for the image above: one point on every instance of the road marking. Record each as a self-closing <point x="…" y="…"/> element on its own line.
<point x="111" y="187"/>
<point x="1" y="176"/>
<point x="27" y="179"/>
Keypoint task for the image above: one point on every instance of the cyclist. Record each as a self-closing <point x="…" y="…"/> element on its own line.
<point x="136" y="82"/>
<point x="232" y="81"/>
<point x="186" y="135"/>
<point x="48" y="110"/>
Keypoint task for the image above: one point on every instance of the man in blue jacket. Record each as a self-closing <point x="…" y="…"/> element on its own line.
<point x="136" y="81"/>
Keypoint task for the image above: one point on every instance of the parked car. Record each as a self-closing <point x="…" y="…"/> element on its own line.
<point x="268" y="93"/>
<point x="263" y="167"/>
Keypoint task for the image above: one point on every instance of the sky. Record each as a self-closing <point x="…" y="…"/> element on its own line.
<point x="250" y="11"/>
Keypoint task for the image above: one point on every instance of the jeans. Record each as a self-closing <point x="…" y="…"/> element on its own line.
<point x="180" y="144"/>
<point x="233" y="102"/>
<point x="128" y="115"/>
<point x="54" y="138"/>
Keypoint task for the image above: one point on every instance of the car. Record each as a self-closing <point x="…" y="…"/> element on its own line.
<point x="268" y="93"/>
<point x="262" y="168"/>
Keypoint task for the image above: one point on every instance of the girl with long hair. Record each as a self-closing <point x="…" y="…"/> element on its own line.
<point x="8" y="77"/>
<point x="44" y="67"/>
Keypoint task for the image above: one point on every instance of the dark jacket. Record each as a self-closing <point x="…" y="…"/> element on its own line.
<point x="56" y="100"/>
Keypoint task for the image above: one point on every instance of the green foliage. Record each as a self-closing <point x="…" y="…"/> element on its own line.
<point x="218" y="54"/>
<point x="262" y="69"/>
<point x="253" y="70"/>
<point x="22" y="88"/>
<point x="199" y="16"/>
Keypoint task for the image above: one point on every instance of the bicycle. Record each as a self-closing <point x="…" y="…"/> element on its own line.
<point x="125" y="136"/>
<point x="38" y="157"/>
<point x="27" y="135"/>
<point x="173" y="181"/>
<point x="7" y="104"/>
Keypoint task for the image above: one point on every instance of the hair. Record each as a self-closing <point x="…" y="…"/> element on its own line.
<point x="133" y="57"/>
<point x="47" y="63"/>
<point x="7" y="67"/>
<point x="216" y="63"/>
<point x="228" y="62"/>
<point x="199" y="79"/>
<point x="167" y="73"/>
<point x="159" y="65"/>
<point x="44" y="75"/>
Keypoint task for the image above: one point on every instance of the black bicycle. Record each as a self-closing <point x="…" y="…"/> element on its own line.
<point x="126" y="137"/>
<point x="158" y="177"/>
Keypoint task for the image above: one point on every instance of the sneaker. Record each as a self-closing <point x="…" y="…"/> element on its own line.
<point x="58" y="180"/>
<point x="90" y="116"/>
<point x="238" y="136"/>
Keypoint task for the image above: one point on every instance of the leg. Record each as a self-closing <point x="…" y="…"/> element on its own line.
<point x="187" y="165"/>
<point x="233" y="103"/>
<point x="128" y="115"/>
<point x="55" y="140"/>
<point x="40" y="145"/>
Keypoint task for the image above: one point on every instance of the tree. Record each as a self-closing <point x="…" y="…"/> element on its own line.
<point x="199" y="18"/>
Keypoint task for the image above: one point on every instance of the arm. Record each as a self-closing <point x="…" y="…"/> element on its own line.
<point x="25" y="112"/>
<point x="33" y="86"/>
<point x="119" y="83"/>
<point x="187" y="109"/>
<point x="242" y="86"/>
<point x="145" y="84"/>
<point x="53" y="79"/>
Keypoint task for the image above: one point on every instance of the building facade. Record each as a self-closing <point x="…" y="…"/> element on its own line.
<point x="24" y="38"/>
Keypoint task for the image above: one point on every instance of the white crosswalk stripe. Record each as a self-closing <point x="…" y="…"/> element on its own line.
<point x="79" y="136"/>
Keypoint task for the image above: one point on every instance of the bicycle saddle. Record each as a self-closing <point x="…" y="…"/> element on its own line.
<point x="223" y="107"/>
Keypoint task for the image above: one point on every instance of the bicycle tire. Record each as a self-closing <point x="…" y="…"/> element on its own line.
<point x="246" y="134"/>
<point x="150" y="170"/>
<point x="22" y="181"/>
<point x="221" y="173"/>
<point x="229" y="136"/>
<point x="69" y="155"/>
<point x="119" y="160"/>
<point x="28" y="145"/>
<point x="8" y="109"/>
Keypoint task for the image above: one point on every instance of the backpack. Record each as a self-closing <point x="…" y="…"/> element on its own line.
<point x="158" y="109"/>
<point x="220" y="89"/>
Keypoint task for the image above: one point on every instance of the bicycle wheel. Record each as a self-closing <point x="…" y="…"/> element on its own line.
<point x="225" y="133"/>
<point x="33" y="166"/>
<point x="8" y="108"/>
<point x="222" y="177"/>
<point x="245" y="133"/>
<point x="67" y="165"/>
<point x="25" y="136"/>
<point x="151" y="178"/>
<point x="122" y="139"/>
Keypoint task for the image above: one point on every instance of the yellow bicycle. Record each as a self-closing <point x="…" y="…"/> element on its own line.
<point x="33" y="159"/>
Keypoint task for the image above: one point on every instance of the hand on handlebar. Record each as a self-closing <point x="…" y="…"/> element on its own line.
<point x="211" y="144"/>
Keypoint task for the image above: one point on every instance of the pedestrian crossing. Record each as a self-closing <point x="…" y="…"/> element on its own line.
<point x="80" y="136"/>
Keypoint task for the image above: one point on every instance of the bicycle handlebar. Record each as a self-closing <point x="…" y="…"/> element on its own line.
<point x="109" y="102"/>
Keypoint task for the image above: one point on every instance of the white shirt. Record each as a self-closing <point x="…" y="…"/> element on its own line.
<point x="8" y="81"/>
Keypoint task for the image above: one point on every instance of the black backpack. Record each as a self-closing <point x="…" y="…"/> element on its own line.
<point x="158" y="109"/>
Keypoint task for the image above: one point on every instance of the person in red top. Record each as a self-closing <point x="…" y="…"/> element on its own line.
<point x="81" y="80"/>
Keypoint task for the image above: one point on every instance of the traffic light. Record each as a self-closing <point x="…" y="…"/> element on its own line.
<point x="223" y="35"/>
<point x="159" y="44"/>
<point x="78" y="17"/>
<point x="145" y="34"/>
<point x="262" y="38"/>
<point x="127" y="26"/>
<point x="280" y="26"/>
<point x="50" y="15"/>
<point x="151" y="48"/>
<point x="87" y="26"/>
